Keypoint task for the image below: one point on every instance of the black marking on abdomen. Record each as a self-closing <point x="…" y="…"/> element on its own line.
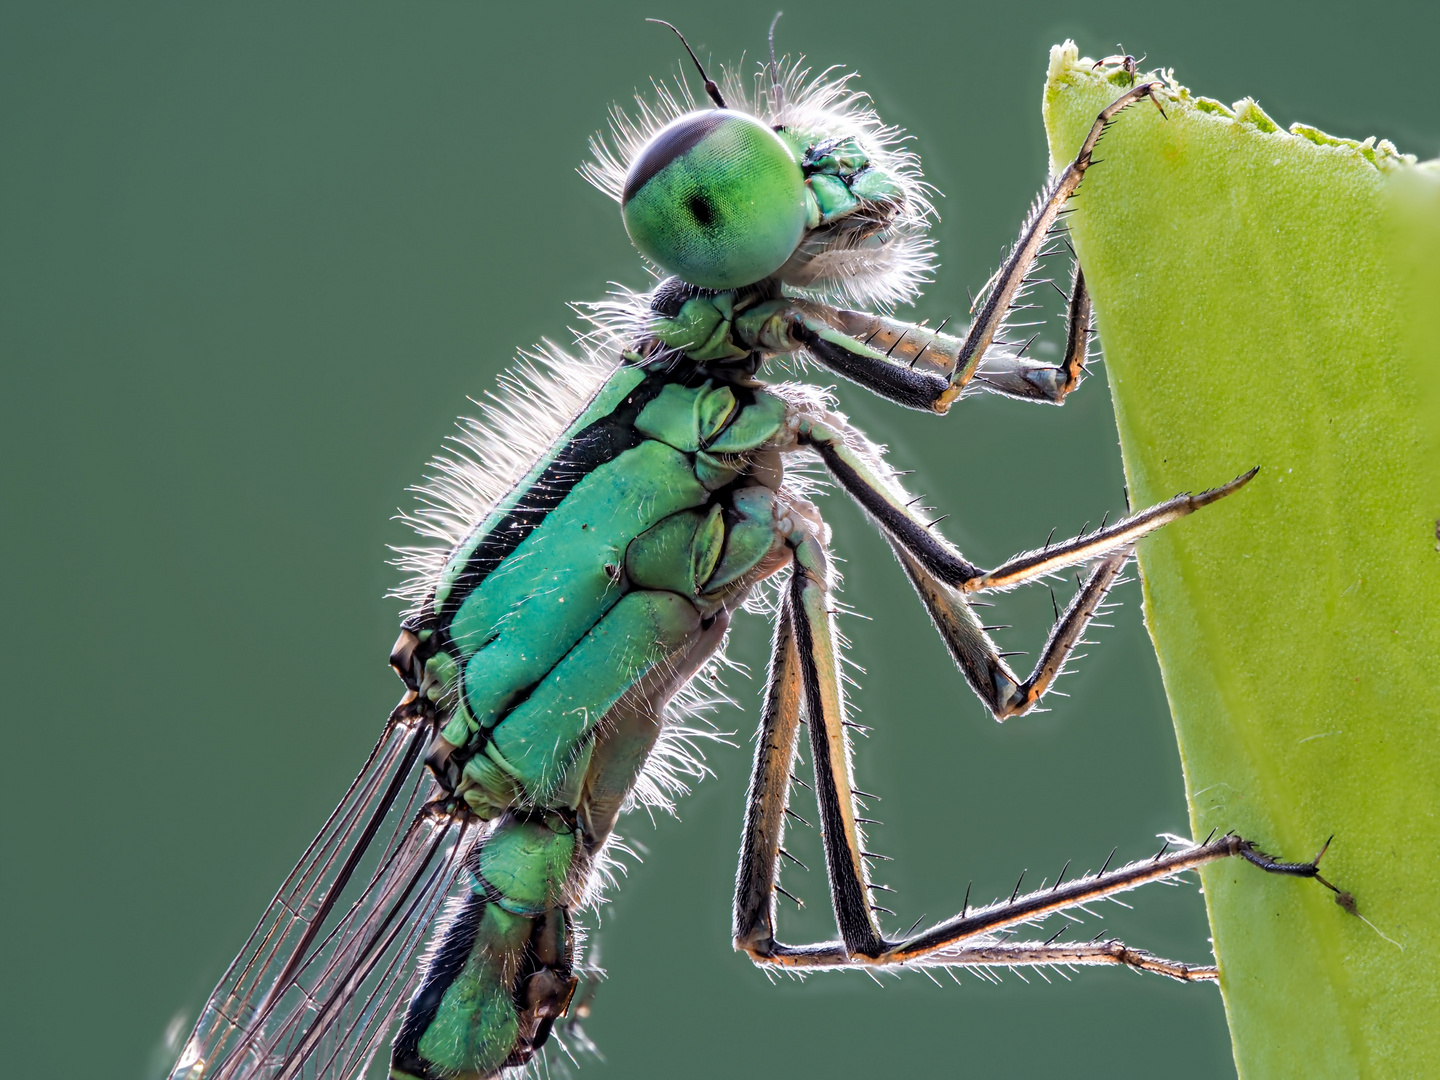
<point x="442" y="970"/>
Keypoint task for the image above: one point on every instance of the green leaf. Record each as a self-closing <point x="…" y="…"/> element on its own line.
<point x="1272" y="298"/>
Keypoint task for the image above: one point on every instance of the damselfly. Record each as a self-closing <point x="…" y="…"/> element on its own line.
<point x="587" y="547"/>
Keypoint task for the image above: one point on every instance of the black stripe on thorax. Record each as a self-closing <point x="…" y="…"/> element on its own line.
<point x="597" y="444"/>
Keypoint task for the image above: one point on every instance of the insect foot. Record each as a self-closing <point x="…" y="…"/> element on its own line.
<point x="1252" y="854"/>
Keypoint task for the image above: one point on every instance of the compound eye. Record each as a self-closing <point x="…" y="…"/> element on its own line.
<point x="716" y="198"/>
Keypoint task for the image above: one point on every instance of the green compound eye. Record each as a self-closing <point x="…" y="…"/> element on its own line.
<point x="716" y="198"/>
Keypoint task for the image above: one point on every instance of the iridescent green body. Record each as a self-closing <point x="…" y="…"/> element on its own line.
<point x="583" y="582"/>
<point x="556" y="633"/>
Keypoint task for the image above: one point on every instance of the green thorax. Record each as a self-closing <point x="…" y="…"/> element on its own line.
<point x="611" y="554"/>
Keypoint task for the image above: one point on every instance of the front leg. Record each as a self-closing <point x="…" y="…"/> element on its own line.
<point x="924" y="369"/>
<point x="921" y="368"/>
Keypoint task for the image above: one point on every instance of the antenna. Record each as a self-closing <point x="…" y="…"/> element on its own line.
<point x="711" y="90"/>
<point x="777" y="92"/>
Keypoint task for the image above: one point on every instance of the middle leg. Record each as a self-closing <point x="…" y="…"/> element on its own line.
<point x="943" y="578"/>
<point x="858" y="467"/>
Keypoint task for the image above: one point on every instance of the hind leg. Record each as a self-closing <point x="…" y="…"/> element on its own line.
<point x="804" y="673"/>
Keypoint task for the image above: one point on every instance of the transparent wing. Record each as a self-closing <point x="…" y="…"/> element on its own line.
<point x="335" y="957"/>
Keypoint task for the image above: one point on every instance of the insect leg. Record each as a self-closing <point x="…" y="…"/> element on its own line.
<point x="816" y="648"/>
<point x="769" y="794"/>
<point x="857" y="466"/>
<point x="871" y="351"/>
<point x="1052" y="383"/>
<point x="916" y="367"/>
<point x="942" y="576"/>
<point x="975" y="654"/>
<point x="1031" y="565"/>
<point x="969" y="939"/>
<point x="929" y="370"/>
<point x="1033" y="380"/>
<point x="804" y="666"/>
<point x="945" y="942"/>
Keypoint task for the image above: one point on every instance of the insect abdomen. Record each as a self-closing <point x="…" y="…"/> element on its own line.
<point x="501" y="972"/>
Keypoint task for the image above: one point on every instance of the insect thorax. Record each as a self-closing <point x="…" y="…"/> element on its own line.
<point x="633" y="539"/>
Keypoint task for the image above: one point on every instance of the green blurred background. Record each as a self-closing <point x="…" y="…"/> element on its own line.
<point x="254" y="259"/>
